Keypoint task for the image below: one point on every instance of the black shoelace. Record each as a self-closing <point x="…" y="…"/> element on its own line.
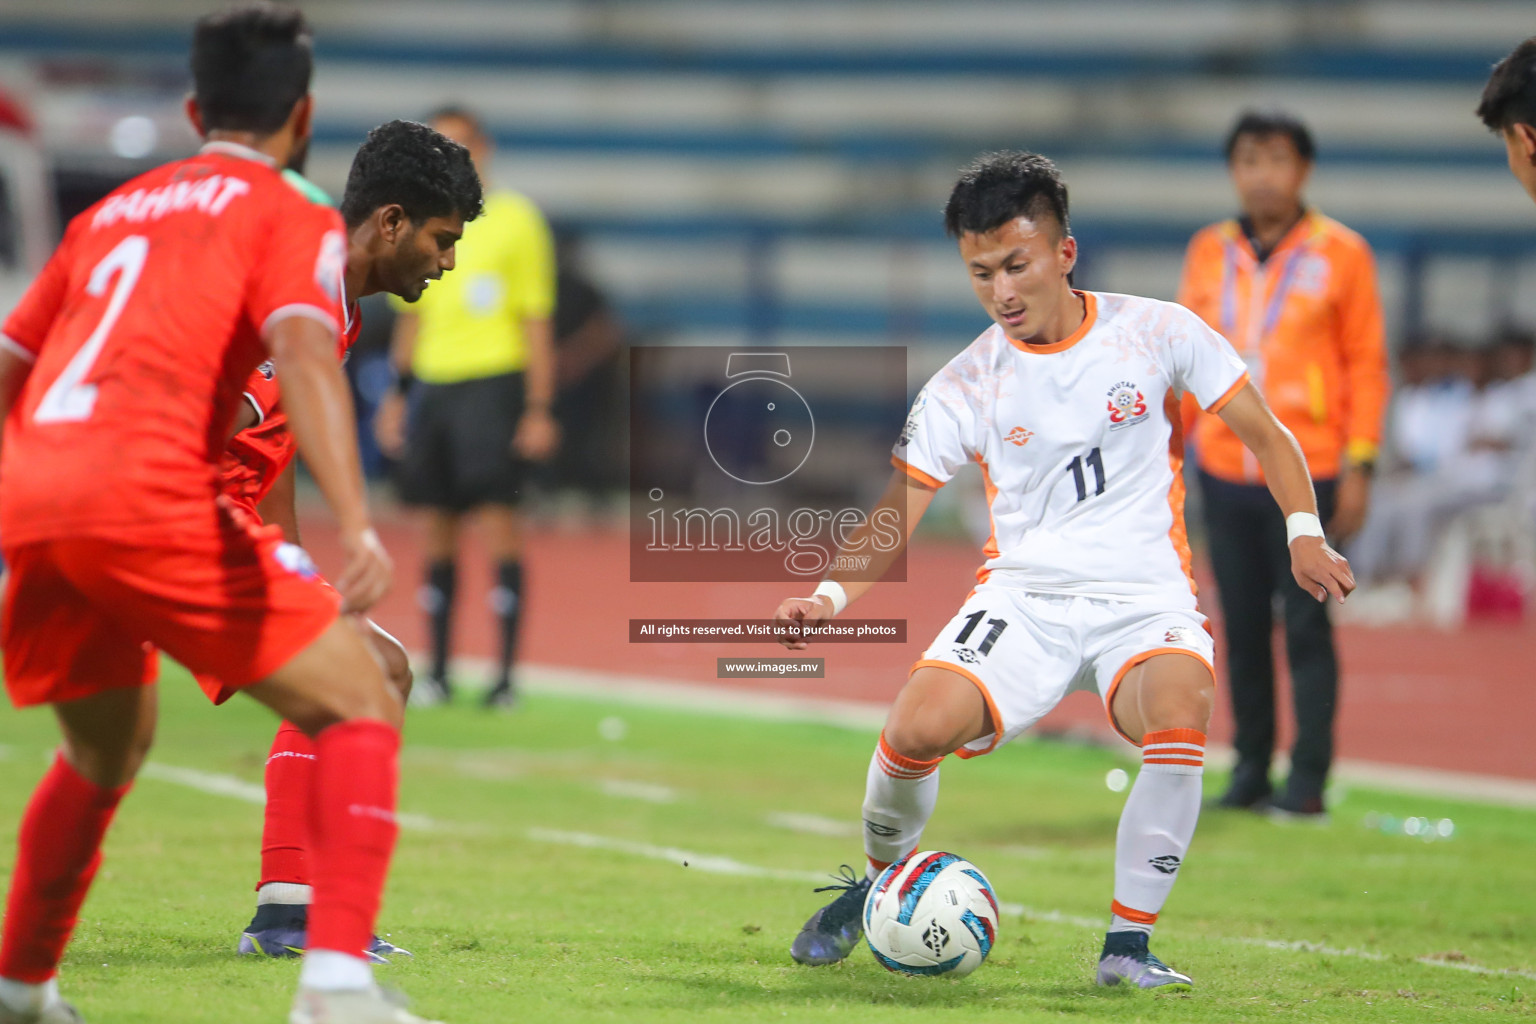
<point x="850" y="904"/>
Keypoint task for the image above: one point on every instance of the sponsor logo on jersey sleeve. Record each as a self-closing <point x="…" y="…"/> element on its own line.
<point x="909" y="429"/>
<point x="1127" y="405"/>
<point x="331" y="264"/>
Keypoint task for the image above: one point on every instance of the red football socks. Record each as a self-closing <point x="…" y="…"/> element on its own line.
<point x="352" y="829"/>
<point x="59" y="852"/>
<point x="285" y="830"/>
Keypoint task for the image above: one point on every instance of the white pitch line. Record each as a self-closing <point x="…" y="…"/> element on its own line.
<point x="812" y="824"/>
<point x="1366" y="954"/>
<point x="239" y="789"/>
<point x="728" y="866"/>
<point x="249" y="792"/>
<point x="628" y="789"/>
<point x="709" y="863"/>
<point x="868" y="716"/>
<point x="205" y="782"/>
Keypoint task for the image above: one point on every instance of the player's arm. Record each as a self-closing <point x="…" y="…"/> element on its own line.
<point x="319" y="408"/>
<point x="537" y="433"/>
<point x="904" y="501"/>
<point x="280" y="505"/>
<point x="532" y="287"/>
<point x="1319" y="570"/>
<point x="29" y="323"/>
<point x="389" y="419"/>
<point x="14" y="371"/>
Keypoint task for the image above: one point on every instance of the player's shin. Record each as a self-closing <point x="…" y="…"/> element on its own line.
<point x="285" y="825"/>
<point x="899" y="797"/>
<point x="353" y="828"/>
<point x="59" y="852"/>
<point x="1156" y="826"/>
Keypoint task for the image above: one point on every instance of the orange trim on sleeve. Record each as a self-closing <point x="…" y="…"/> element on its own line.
<point x="989" y="550"/>
<point x="1178" y="534"/>
<point x="1139" y="916"/>
<point x="986" y="695"/>
<point x="916" y="474"/>
<point x="1227" y="396"/>
<point x="1132" y="662"/>
<point x="1090" y="317"/>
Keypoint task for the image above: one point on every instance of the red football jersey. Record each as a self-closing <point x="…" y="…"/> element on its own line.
<point x="144" y="327"/>
<point x="257" y="455"/>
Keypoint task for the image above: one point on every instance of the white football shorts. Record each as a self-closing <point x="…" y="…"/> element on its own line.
<point x="1026" y="651"/>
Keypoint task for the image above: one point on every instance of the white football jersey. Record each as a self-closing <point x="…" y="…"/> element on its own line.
<point x="1080" y="446"/>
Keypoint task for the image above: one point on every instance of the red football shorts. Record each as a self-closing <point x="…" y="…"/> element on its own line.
<point x="82" y="615"/>
<point x="216" y="689"/>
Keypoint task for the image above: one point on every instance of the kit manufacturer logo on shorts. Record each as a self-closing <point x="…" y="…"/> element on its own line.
<point x="1127" y="406"/>
<point x="1180" y="635"/>
<point x="967" y="655"/>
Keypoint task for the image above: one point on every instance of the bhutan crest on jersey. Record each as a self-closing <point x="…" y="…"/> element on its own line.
<point x="1127" y="406"/>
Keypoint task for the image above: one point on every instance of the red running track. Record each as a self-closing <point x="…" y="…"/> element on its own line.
<point x="1461" y="701"/>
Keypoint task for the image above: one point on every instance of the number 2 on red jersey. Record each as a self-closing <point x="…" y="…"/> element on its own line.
<point x="69" y="399"/>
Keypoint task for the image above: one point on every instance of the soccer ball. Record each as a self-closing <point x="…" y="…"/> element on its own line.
<point x="932" y="913"/>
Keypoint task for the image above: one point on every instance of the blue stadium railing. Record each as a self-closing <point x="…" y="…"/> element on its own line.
<point x="763" y="314"/>
<point x="1350" y="62"/>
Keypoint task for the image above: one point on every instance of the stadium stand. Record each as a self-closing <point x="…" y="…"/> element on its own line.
<point x="771" y="170"/>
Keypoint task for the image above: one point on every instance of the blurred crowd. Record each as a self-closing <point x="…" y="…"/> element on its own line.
<point x="1458" y="462"/>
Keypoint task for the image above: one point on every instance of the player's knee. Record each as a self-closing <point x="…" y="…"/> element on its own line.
<point x="1185" y="703"/>
<point x="402" y="678"/>
<point x="344" y="704"/>
<point x="112" y="766"/>
<point x="920" y="739"/>
<point x="396" y="663"/>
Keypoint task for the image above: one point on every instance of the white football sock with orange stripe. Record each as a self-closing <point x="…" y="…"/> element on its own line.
<point x="899" y="796"/>
<point x="1156" y="826"/>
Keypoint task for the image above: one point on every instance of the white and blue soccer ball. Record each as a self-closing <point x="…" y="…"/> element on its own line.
<point x="932" y="913"/>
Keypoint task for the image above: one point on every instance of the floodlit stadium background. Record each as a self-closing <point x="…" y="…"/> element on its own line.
<point x="770" y="172"/>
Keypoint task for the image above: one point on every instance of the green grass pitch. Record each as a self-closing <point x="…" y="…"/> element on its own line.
<point x="512" y="918"/>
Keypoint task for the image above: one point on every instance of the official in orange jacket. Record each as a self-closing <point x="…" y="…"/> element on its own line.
<point x="1295" y="293"/>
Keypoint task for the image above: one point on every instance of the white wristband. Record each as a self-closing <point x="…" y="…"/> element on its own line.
<point x="834" y="592"/>
<point x="1302" y="524"/>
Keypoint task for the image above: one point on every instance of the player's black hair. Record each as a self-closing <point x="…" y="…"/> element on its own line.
<point x="996" y="188"/>
<point x="423" y="171"/>
<point x="251" y="62"/>
<point x="1264" y="123"/>
<point x="1509" y="98"/>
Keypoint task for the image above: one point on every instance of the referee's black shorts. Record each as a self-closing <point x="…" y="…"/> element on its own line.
<point x="458" y="446"/>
